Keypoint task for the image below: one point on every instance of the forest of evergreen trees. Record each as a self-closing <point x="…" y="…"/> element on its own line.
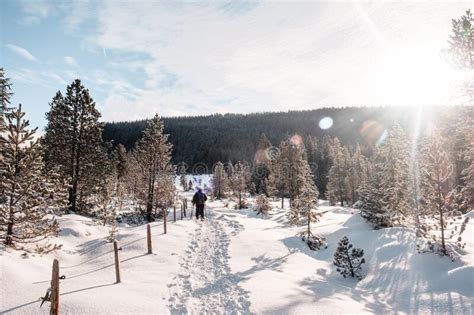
<point x="234" y="137"/>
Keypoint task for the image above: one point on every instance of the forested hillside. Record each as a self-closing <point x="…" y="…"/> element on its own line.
<point x="208" y="139"/>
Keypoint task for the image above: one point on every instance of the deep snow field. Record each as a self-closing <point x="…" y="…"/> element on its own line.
<point x="237" y="262"/>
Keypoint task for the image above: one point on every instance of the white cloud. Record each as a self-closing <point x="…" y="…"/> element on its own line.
<point x="275" y="56"/>
<point x="22" y="52"/>
<point x="70" y="61"/>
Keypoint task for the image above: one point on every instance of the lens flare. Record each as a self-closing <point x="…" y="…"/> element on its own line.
<point x="372" y="131"/>
<point x="325" y="123"/>
<point x="296" y="140"/>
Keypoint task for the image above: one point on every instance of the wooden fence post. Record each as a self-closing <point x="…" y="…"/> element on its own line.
<point x="55" y="289"/>
<point x="117" y="267"/>
<point x="181" y="211"/>
<point x="165" y="217"/>
<point x="174" y="213"/>
<point x="184" y="208"/>
<point x="148" y="239"/>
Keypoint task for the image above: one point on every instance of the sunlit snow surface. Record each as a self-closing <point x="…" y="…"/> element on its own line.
<point x="236" y="261"/>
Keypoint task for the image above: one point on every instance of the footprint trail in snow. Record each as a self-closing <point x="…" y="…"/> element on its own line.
<point x="205" y="284"/>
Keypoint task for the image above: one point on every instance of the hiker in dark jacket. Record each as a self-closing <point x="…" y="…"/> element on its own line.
<point x="199" y="199"/>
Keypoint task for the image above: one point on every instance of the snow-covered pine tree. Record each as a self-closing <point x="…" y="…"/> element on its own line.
<point x="106" y="211"/>
<point x="122" y="167"/>
<point x="164" y="191"/>
<point x="240" y="182"/>
<point x="303" y="210"/>
<point x="73" y="142"/>
<point x="153" y="155"/>
<point x="252" y="189"/>
<point x="468" y="178"/>
<point x="294" y="173"/>
<point x="262" y="161"/>
<point x="461" y="43"/>
<point x="457" y="126"/>
<point x="263" y="205"/>
<point x="5" y="96"/>
<point x="27" y="193"/>
<point x="220" y="182"/>
<point x="183" y="182"/>
<point x="357" y="174"/>
<point x="270" y="185"/>
<point x="438" y="218"/>
<point x="388" y="198"/>
<point x="338" y="188"/>
<point x="348" y="262"/>
<point x="460" y="53"/>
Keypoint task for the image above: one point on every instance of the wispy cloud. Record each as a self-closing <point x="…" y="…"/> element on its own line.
<point x="35" y="11"/>
<point x="70" y="61"/>
<point x="273" y="56"/>
<point x="22" y="52"/>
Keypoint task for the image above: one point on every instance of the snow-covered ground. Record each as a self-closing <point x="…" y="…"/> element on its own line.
<point x="237" y="262"/>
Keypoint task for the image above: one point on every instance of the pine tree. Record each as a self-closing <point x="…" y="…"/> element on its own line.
<point x="106" y="189"/>
<point x="252" y="189"/>
<point x="387" y="197"/>
<point x="357" y="173"/>
<point x="457" y="127"/>
<point x="436" y="172"/>
<point x="338" y="188"/>
<point x="5" y="96"/>
<point x="239" y="181"/>
<point x="183" y="182"/>
<point x="262" y="160"/>
<point x="348" y="262"/>
<point x="461" y="42"/>
<point x="73" y="142"/>
<point x="153" y="154"/>
<point x="28" y="194"/>
<point x="294" y="174"/>
<point x="303" y="209"/>
<point x="263" y="205"/>
<point x="122" y="173"/>
<point x="460" y="52"/>
<point x="468" y="178"/>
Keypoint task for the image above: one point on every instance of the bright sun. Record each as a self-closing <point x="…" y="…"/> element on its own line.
<point x="413" y="78"/>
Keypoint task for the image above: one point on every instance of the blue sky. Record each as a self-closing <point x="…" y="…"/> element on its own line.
<point x="138" y="58"/>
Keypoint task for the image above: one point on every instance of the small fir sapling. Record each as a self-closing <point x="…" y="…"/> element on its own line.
<point x="348" y="261"/>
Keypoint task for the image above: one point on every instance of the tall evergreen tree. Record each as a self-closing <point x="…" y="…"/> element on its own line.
<point x="358" y="173"/>
<point x="5" y="96"/>
<point x="220" y="182"/>
<point x="183" y="182"/>
<point x="73" y="142"/>
<point x="436" y="172"/>
<point x="261" y="167"/>
<point x="122" y="168"/>
<point x="460" y="51"/>
<point x="239" y="181"/>
<point x="461" y="41"/>
<point x="26" y="191"/>
<point x="387" y="197"/>
<point x="338" y="188"/>
<point x="153" y="155"/>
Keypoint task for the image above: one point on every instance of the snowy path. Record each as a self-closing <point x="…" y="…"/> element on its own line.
<point x="205" y="284"/>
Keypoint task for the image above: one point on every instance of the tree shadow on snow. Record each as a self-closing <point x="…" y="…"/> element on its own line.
<point x="397" y="278"/>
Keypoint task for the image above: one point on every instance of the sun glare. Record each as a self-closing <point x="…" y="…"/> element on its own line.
<point x="413" y="78"/>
